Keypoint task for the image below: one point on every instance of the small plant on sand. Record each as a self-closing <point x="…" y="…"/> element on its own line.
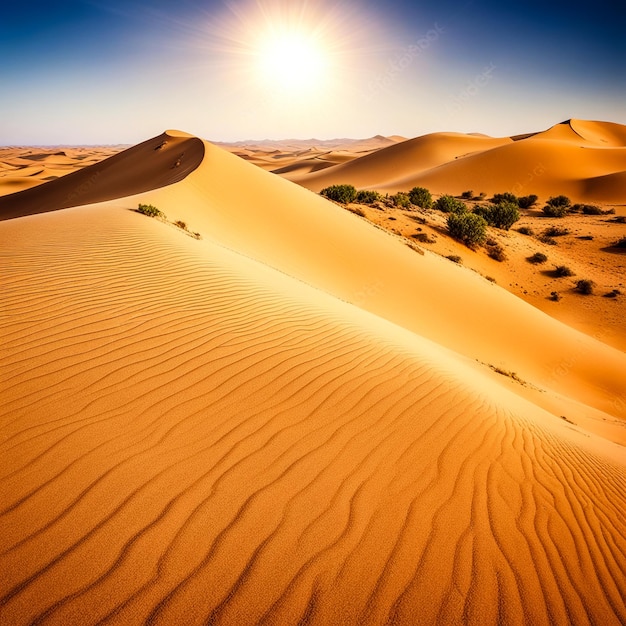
<point x="562" y="271"/>
<point x="502" y="215"/>
<point x="449" y="204"/>
<point x="150" y="211"/>
<point x="467" y="195"/>
<point x="420" y="196"/>
<point x="182" y="225"/>
<point x="525" y="202"/>
<point x="504" y="197"/>
<point x="613" y="294"/>
<point x="537" y="258"/>
<point x="547" y="240"/>
<point x="495" y="250"/>
<point x="555" y="296"/>
<point x="585" y="286"/>
<point x="340" y="193"/>
<point x="525" y="230"/>
<point x="555" y="231"/>
<point x="587" y="209"/>
<point x="557" y="206"/>
<point x="455" y="258"/>
<point x="401" y="200"/>
<point x="620" y="243"/>
<point x="424" y="238"/>
<point x="365" y="196"/>
<point x="469" y="228"/>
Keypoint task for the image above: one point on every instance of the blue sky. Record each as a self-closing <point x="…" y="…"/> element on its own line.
<point x="98" y="71"/>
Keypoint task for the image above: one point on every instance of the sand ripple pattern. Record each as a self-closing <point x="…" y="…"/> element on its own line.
<point x="187" y="438"/>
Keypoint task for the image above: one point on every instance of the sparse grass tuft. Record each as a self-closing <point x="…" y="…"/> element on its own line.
<point x="424" y="238"/>
<point x="620" y="243"/>
<point x="495" y="250"/>
<point x="547" y="240"/>
<point x="525" y="230"/>
<point x="182" y="225"/>
<point x="555" y="296"/>
<point x="357" y="211"/>
<point x="613" y="294"/>
<point x="455" y="258"/>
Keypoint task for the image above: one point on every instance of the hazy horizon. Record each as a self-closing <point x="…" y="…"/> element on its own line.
<point x="95" y="73"/>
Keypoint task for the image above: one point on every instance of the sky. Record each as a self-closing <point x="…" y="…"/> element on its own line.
<point x="93" y="72"/>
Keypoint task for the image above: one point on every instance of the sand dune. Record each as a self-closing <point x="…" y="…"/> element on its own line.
<point x="285" y="422"/>
<point x="565" y="159"/>
<point x="162" y="160"/>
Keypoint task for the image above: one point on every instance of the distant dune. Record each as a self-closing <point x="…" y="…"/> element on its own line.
<point x="585" y="160"/>
<point x="296" y="419"/>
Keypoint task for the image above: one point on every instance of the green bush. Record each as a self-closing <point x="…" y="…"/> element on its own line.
<point x="340" y="193"/>
<point x="502" y="215"/>
<point x="585" y="286"/>
<point x="469" y="228"/>
<point x="505" y="197"/>
<point x="420" y="196"/>
<point x="448" y="204"/>
<point x="587" y="209"/>
<point x="537" y="258"/>
<point x="559" y="201"/>
<point x="150" y="211"/>
<point x="365" y="196"/>
<point x="555" y="210"/>
<point x="401" y="200"/>
<point x="525" y="202"/>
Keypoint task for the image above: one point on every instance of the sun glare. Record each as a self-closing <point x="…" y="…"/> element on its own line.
<point x="289" y="61"/>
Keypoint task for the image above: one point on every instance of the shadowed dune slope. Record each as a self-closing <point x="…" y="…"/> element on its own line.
<point x="566" y="159"/>
<point x="191" y="437"/>
<point x="163" y="160"/>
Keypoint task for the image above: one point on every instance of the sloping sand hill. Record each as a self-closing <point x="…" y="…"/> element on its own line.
<point x="584" y="160"/>
<point x="285" y="422"/>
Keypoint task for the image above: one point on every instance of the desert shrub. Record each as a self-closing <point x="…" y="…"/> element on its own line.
<point x="448" y="204"/>
<point x="525" y="202"/>
<point x="555" y="296"/>
<point x="150" y="211"/>
<point x="537" y="258"/>
<point x="620" y="243"/>
<point x="502" y="215"/>
<point x="401" y="200"/>
<point x="180" y="224"/>
<point x="420" y="196"/>
<point x="585" y="237"/>
<point x="547" y="240"/>
<point x="340" y="193"/>
<point x="609" y="212"/>
<point x="620" y="219"/>
<point x="469" y="228"/>
<point x="613" y="294"/>
<point x="585" y="286"/>
<point x="555" y="210"/>
<point x="555" y="231"/>
<point x="495" y="250"/>
<point x="424" y="238"/>
<point x="467" y="195"/>
<point x="587" y="209"/>
<point x="491" y="279"/>
<point x="561" y="271"/>
<point x="455" y="258"/>
<point x="364" y="196"/>
<point x="559" y="201"/>
<point x="525" y="230"/>
<point x="505" y="197"/>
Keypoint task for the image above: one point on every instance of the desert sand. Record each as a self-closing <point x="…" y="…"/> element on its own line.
<point x="295" y="418"/>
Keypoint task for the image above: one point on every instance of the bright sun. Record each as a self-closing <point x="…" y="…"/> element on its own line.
<point x="292" y="61"/>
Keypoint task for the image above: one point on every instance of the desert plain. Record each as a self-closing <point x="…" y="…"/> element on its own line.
<point x="259" y="406"/>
